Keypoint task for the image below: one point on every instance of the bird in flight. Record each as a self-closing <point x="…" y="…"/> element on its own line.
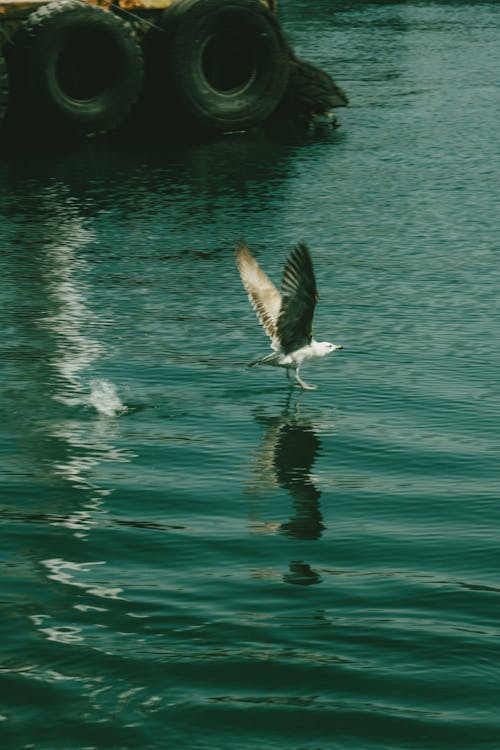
<point x="287" y="316"/>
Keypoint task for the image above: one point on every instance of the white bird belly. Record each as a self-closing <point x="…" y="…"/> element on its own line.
<point x="297" y="358"/>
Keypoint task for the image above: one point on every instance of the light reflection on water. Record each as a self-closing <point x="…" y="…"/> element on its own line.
<point x="193" y="554"/>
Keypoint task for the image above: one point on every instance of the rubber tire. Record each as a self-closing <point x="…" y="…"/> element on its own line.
<point x="227" y="60"/>
<point x="77" y="68"/>
<point x="4" y="87"/>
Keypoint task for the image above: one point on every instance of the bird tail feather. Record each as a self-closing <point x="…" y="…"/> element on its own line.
<point x="269" y="359"/>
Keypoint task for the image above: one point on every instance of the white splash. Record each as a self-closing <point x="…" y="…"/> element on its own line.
<point x="104" y="398"/>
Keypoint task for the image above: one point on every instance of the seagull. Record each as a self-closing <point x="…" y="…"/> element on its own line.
<point x="286" y="317"/>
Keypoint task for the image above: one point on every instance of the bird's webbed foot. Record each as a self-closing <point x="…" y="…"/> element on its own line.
<point x="301" y="383"/>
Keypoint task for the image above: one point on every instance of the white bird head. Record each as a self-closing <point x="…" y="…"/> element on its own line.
<point x="325" y="347"/>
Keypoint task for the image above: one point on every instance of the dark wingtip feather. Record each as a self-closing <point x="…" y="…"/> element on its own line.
<point x="300" y="262"/>
<point x="298" y="289"/>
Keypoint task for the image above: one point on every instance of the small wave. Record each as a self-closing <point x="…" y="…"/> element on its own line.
<point x="104" y="398"/>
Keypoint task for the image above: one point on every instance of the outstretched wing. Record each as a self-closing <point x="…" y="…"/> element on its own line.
<point x="299" y="295"/>
<point x="263" y="295"/>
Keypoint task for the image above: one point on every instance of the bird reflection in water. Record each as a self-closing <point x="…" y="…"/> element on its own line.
<point x="285" y="459"/>
<point x="301" y="574"/>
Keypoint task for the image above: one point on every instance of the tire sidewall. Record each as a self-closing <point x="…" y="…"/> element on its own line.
<point x="196" y="24"/>
<point x="40" y="47"/>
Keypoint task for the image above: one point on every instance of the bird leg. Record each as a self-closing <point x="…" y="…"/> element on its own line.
<point x="303" y="385"/>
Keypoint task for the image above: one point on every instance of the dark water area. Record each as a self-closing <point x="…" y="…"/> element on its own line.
<point x="193" y="554"/>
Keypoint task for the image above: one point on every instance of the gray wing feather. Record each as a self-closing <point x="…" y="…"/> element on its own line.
<point x="299" y="295"/>
<point x="263" y="295"/>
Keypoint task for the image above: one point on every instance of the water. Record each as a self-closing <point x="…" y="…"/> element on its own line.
<point x="194" y="555"/>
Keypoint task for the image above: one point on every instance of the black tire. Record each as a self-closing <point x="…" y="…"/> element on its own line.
<point x="77" y="68"/>
<point x="227" y="60"/>
<point x="4" y="87"/>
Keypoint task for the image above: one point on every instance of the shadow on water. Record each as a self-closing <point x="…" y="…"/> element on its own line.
<point x="285" y="458"/>
<point x="218" y="163"/>
<point x="152" y="198"/>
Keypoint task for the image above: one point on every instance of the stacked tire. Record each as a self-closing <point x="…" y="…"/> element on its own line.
<point x="78" y="69"/>
<point x="227" y="62"/>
